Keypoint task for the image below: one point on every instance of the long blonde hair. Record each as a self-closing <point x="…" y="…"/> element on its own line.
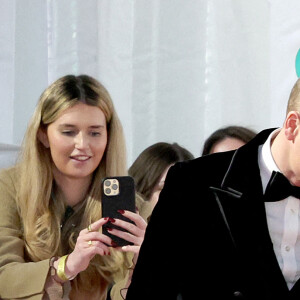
<point x="41" y="214"/>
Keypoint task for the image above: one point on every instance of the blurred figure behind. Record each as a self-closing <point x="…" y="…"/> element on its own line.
<point x="227" y="138"/>
<point x="150" y="168"/>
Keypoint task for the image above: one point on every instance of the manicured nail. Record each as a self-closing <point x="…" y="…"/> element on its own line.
<point x="109" y="229"/>
<point x="121" y="211"/>
<point x="112" y="220"/>
<point x="106" y="218"/>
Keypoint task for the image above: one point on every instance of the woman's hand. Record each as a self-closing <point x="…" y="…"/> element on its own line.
<point x="89" y="243"/>
<point x="135" y="232"/>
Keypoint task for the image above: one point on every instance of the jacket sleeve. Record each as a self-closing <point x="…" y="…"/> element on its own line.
<point x="154" y="276"/>
<point x="18" y="279"/>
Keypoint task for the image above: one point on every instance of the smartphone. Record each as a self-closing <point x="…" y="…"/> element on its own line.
<point x="118" y="193"/>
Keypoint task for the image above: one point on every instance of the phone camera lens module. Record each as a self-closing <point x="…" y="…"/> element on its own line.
<point x="114" y="186"/>
<point x="107" y="191"/>
<point x="107" y="183"/>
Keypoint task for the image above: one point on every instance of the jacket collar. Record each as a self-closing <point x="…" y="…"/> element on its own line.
<point x="240" y="202"/>
<point x="243" y="163"/>
<point x="239" y="197"/>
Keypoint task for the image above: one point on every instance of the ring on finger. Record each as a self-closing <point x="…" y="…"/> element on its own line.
<point x="89" y="228"/>
<point x="90" y="243"/>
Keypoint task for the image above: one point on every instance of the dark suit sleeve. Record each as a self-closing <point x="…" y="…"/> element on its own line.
<point x="157" y="273"/>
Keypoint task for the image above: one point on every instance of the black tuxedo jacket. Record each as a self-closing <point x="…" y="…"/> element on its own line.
<point x="208" y="237"/>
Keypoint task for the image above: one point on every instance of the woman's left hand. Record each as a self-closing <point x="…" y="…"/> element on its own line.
<point x="135" y="232"/>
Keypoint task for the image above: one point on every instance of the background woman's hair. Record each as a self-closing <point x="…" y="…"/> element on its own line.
<point x="238" y="132"/>
<point x="152" y="162"/>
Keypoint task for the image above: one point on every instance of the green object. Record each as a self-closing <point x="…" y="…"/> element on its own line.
<point x="298" y="63"/>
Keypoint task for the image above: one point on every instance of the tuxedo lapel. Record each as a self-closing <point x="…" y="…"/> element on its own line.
<point x="240" y="196"/>
<point x="240" y="200"/>
<point x="244" y="217"/>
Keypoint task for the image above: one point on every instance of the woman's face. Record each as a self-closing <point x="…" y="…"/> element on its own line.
<point x="77" y="141"/>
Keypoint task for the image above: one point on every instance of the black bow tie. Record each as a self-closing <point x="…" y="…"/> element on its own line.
<point x="280" y="188"/>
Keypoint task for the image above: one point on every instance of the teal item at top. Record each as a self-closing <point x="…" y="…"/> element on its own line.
<point x="298" y="63"/>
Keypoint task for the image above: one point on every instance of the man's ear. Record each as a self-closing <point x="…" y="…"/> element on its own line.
<point x="43" y="137"/>
<point x="291" y="125"/>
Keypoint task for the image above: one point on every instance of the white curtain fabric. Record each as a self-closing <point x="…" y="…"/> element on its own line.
<point x="8" y="155"/>
<point x="176" y="69"/>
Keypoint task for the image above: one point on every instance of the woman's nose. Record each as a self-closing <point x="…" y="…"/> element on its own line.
<point x="81" y="141"/>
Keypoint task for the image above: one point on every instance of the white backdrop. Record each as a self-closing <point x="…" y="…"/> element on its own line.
<point x="176" y="69"/>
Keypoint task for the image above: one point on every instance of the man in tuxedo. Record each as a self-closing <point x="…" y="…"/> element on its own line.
<point x="227" y="225"/>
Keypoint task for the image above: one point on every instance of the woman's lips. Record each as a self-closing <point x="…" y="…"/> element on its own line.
<point x="81" y="157"/>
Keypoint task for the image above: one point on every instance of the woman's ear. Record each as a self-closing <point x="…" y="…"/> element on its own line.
<point x="43" y="137"/>
<point x="291" y="125"/>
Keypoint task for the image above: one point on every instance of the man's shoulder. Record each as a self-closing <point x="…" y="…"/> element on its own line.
<point x="209" y="168"/>
<point x="219" y="159"/>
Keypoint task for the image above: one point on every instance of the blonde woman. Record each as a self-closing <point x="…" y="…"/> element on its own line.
<point x="50" y="221"/>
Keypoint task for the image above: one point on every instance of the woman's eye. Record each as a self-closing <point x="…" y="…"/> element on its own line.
<point x="68" y="132"/>
<point x="95" y="133"/>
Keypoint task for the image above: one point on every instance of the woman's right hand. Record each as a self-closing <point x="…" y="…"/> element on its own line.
<point x="89" y="243"/>
<point x="134" y="232"/>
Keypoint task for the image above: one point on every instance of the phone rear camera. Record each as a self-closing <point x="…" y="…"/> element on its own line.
<point x="107" y="191"/>
<point x="107" y="183"/>
<point x="114" y="186"/>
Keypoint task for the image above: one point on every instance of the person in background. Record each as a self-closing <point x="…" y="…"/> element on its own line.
<point x="227" y="138"/>
<point x="227" y="225"/>
<point x="150" y="168"/>
<point x="149" y="171"/>
<point x="50" y="222"/>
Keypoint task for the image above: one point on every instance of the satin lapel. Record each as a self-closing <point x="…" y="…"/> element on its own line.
<point x="240" y="196"/>
<point x="244" y="217"/>
<point x="240" y="200"/>
<point x="228" y="198"/>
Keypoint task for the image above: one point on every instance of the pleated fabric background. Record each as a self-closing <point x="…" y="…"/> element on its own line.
<point x="176" y="69"/>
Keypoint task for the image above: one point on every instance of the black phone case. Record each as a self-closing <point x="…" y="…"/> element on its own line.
<point x="124" y="200"/>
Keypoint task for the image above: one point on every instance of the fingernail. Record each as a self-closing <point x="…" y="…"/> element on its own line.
<point x="136" y="209"/>
<point x="109" y="229"/>
<point x="121" y="211"/>
<point x="112" y="220"/>
<point x="106" y="218"/>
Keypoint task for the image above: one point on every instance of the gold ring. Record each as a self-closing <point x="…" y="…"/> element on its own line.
<point x="90" y="243"/>
<point x="89" y="228"/>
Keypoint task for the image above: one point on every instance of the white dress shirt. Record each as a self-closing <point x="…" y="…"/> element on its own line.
<point x="282" y="218"/>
